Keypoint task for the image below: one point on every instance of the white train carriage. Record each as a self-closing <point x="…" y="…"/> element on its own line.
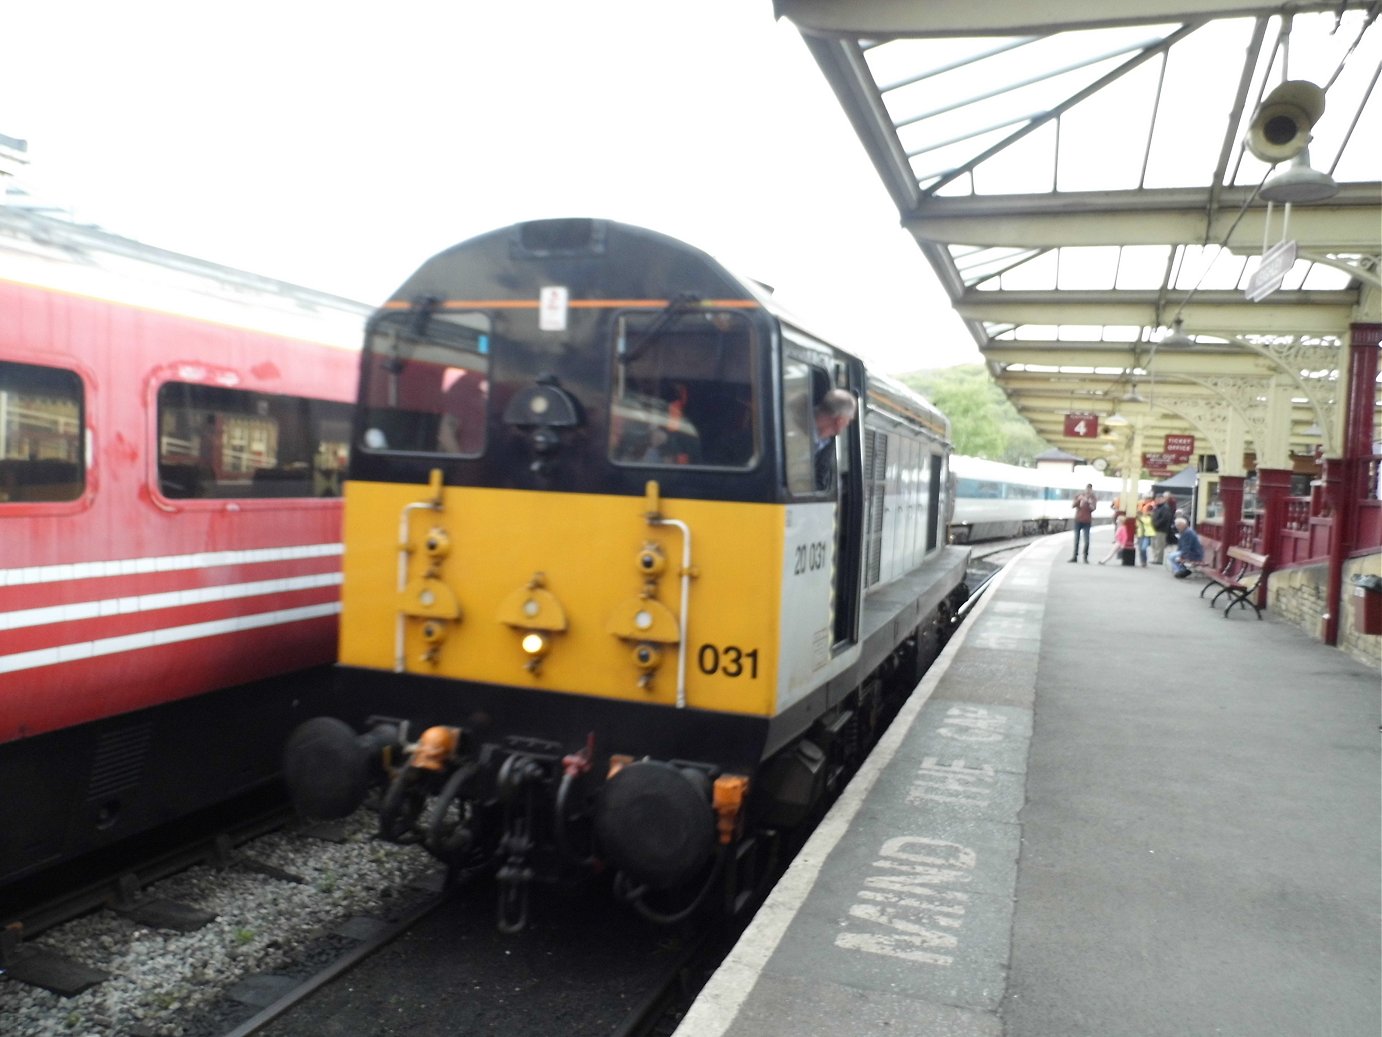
<point x="995" y="500"/>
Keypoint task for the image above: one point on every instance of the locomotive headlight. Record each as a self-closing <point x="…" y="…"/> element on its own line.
<point x="534" y="644"/>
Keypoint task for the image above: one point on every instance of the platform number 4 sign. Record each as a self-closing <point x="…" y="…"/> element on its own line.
<point x="1082" y="426"/>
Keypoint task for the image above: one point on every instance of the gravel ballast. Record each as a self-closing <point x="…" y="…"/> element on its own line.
<point x="162" y="981"/>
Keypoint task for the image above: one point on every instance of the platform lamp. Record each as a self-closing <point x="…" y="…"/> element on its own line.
<point x="1298" y="182"/>
<point x="1176" y="338"/>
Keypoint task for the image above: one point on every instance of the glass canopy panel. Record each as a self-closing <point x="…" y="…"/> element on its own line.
<point x="1207" y="268"/>
<point x="950" y="100"/>
<point x="1037" y="274"/>
<point x="1079" y="333"/>
<point x="1122" y="332"/>
<point x="1196" y="100"/>
<point x="1142" y="266"/>
<point x="1087" y="267"/>
<point x="1103" y="139"/>
<point x="979" y="266"/>
<point x="1027" y="166"/>
<point x="1315" y="277"/>
<point x="900" y="61"/>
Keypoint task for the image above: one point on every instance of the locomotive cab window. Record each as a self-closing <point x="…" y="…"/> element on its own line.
<point x="426" y="383"/>
<point x="41" y="456"/>
<point x="684" y="390"/>
<point x="230" y="443"/>
<point x="814" y="464"/>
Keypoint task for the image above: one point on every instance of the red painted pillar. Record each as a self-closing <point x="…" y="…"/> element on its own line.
<point x="1273" y="487"/>
<point x="1230" y="511"/>
<point x="1363" y="341"/>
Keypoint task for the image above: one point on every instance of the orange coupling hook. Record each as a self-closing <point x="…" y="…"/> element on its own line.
<point x="435" y="748"/>
<point x="730" y="791"/>
<point x="575" y="764"/>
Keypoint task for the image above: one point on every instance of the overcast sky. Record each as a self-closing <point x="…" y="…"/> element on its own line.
<point x="337" y="145"/>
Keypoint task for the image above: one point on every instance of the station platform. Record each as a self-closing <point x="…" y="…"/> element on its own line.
<point x="1107" y="810"/>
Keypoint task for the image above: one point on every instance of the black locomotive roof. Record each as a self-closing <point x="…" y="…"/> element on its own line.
<point x="593" y="258"/>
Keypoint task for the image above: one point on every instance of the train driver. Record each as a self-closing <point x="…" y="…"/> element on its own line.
<point x="834" y="412"/>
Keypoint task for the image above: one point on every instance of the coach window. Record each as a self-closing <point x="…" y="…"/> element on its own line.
<point x="683" y="389"/>
<point x="41" y="456"/>
<point x="222" y="443"/>
<point x="426" y="383"/>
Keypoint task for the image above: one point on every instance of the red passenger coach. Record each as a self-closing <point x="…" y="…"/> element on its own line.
<point x="172" y="443"/>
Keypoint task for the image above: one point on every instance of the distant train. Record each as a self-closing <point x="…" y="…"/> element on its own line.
<point x="173" y="436"/>
<point x="618" y="603"/>
<point x="995" y="501"/>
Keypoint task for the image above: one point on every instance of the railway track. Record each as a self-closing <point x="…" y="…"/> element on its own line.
<point x="266" y="950"/>
<point x="145" y="950"/>
<point x="116" y="879"/>
<point x="282" y="957"/>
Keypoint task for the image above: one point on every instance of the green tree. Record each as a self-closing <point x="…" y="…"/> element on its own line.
<point x="983" y="422"/>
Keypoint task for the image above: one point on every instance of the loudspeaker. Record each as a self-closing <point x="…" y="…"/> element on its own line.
<point x="1280" y="129"/>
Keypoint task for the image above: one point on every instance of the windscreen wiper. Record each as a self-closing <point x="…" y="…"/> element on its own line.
<point x="683" y="303"/>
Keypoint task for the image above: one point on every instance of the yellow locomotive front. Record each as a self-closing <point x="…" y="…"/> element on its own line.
<point x="586" y="554"/>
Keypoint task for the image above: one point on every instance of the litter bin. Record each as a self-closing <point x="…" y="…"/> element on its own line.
<point x="1129" y="555"/>
<point x="1367" y="603"/>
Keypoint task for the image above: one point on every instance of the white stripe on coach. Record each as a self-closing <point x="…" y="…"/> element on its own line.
<point x="154" y="638"/>
<point x="167" y="563"/>
<point x="164" y="600"/>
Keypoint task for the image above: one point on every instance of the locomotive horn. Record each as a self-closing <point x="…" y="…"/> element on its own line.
<point x="1280" y="129"/>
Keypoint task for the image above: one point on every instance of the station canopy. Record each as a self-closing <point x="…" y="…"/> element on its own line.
<point x="1079" y="179"/>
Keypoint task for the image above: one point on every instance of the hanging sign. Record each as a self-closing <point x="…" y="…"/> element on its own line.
<point x="1179" y="444"/>
<point x="1267" y="278"/>
<point x="1082" y="426"/>
<point x="1159" y="465"/>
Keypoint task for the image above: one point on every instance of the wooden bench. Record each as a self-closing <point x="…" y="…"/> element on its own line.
<point x="1238" y="580"/>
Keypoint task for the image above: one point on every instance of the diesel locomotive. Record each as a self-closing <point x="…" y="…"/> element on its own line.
<point x="614" y="601"/>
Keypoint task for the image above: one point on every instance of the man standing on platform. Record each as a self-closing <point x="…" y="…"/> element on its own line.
<point x="1164" y="522"/>
<point x="1084" y="505"/>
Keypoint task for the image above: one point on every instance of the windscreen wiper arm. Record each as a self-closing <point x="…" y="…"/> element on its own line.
<point x="679" y="305"/>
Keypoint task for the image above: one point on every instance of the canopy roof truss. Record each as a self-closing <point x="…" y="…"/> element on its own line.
<point x="1076" y="176"/>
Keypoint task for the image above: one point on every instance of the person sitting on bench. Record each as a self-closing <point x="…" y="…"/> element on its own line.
<point x="1188" y="549"/>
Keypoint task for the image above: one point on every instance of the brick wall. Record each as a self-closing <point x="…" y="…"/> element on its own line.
<point x="1298" y="596"/>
